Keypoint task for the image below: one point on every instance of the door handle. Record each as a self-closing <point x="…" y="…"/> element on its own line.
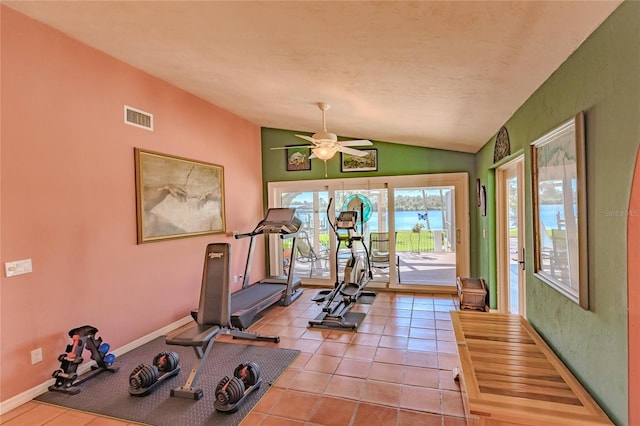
<point x="521" y="262"/>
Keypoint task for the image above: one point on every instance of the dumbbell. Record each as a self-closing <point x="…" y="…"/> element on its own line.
<point x="231" y="390"/>
<point x="106" y="357"/>
<point x="166" y="361"/>
<point x="144" y="376"/>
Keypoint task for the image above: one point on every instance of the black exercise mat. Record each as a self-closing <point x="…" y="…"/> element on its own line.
<point x="108" y="393"/>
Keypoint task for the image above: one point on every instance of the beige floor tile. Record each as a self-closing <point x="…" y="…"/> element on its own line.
<point x="323" y="363"/>
<point x="371" y="414"/>
<point x="382" y="393"/>
<point x="345" y="387"/>
<point x="310" y="381"/>
<point x="424" y="377"/>
<point x="365" y="353"/>
<point x="420" y="399"/>
<point x="392" y="356"/>
<point x="353" y="368"/>
<point x="332" y="348"/>
<point x="295" y="405"/>
<point x="391" y="373"/>
<point x="413" y="418"/>
<point x="333" y="411"/>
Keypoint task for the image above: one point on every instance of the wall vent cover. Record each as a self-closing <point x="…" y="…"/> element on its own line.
<point x="138" y="118"/>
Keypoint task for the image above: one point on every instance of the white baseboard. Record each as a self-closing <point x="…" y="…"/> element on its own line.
<point x="28" y="395"/>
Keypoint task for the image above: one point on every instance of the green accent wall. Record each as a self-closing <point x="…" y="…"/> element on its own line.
<point x="393" y="160"/>
<point x="601" y="78"/>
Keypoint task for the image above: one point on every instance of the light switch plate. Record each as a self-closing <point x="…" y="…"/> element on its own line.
<point x="18" y="267"/>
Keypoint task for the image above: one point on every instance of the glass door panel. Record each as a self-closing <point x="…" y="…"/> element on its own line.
<point x="425" y="235"/>
<point x="510" y="237"/>
<point x="312" y="254"/>
<point x="513" y="220"/>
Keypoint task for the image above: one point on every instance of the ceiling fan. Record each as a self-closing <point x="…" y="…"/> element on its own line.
<point x="325" y="144"/>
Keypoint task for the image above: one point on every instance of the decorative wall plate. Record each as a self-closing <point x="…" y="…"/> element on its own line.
<point x="502" y="147"/>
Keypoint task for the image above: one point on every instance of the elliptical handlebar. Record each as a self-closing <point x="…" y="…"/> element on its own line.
<point x="347" y="220"/>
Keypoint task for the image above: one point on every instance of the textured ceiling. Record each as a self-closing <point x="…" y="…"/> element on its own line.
<point x="444" y="74"/>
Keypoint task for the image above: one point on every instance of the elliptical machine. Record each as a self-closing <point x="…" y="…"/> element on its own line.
<point x="357" y="274"/>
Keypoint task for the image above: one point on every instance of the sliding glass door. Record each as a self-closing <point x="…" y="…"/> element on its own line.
<point x="312" y="254"/>
<point x="415" y="229"/>
<point x="425" y="230"/>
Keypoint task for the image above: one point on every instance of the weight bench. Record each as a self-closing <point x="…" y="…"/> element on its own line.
<point x="212" y="318"/>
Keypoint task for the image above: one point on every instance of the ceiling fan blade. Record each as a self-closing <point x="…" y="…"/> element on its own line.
<point x="351" y="151"/>
<point x="308" y="138"/>
<point x="297" y="146"/>
<point x="359" y="142"/>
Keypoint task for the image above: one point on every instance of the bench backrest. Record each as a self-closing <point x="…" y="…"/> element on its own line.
<point x="215" y="294"/>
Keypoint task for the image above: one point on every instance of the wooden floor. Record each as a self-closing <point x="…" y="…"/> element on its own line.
<point x="396" y="370"/>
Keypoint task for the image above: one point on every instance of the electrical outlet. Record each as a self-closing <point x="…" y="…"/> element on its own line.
<point x="36" y="356"/>
<point x="18" y="267"/>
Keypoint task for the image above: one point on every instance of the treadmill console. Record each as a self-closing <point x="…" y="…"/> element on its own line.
<point x="279" y="221"/>
<point x="347" y="220"/>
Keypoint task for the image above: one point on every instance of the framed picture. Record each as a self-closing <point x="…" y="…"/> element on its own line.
<point x="478" y="184"/>
<point x="177" y="197"/>
<point x="298" y="158"/>
<point x="483" y="200"/>
<point x="560" y="210"/>
<point x="353" y="163"/>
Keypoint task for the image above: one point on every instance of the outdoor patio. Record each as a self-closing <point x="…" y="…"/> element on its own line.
<point x="424" y="268"/>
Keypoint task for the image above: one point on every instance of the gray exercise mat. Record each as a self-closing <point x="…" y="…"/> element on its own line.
<point x="108" y="393"/>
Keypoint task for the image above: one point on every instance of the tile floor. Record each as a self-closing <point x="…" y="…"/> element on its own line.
<point x="396" y="370"/>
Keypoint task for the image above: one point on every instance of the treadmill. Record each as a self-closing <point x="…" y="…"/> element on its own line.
<point x="248" y="302"/>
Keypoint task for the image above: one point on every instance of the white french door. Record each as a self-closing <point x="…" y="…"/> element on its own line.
<point x="510" y="235"/>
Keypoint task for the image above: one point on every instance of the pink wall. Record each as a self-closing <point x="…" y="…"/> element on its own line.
<point x="633" y="282"/>
<point x="68" y="197"/>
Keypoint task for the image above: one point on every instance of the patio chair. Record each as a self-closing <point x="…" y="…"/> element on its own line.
<point x="559" y="261"/>
<point x="379" y="251"/>
<point x="306" y="253"/>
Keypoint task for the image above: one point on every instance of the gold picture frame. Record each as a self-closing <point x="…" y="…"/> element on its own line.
<point x="560" y="200"/>
<point x="177" y="197"/>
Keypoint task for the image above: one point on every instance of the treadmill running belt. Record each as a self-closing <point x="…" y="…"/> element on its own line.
<point x="254" y="294"/>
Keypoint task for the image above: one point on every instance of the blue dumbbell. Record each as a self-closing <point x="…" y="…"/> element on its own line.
<point x="109" y="359"/>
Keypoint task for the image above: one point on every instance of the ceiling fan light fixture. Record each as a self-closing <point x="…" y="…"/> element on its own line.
<point x="324" y="152"/>
<point x="323" y="135"/>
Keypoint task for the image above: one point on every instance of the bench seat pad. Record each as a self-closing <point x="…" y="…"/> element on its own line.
<point x="193" y="336"/>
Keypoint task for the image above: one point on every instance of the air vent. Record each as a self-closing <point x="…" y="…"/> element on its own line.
<point x="138" y="118"/>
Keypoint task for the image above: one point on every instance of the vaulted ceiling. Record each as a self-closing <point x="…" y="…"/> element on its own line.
<point x="443" y="74"/>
